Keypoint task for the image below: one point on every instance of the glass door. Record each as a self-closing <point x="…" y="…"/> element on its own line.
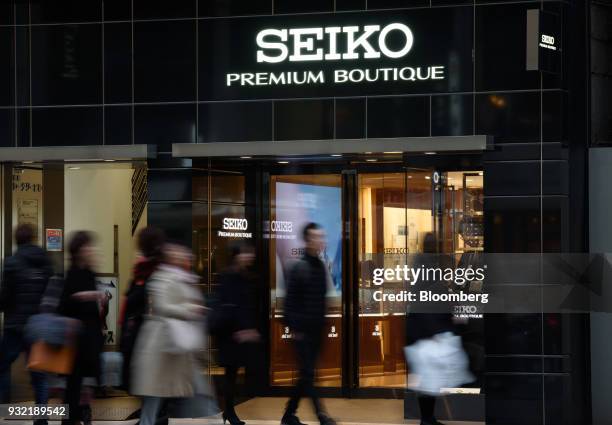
<point x="296" y="200"/>
<point x="395" y="212"/>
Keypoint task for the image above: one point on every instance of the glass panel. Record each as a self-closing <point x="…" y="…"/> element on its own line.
<point x="394" y="215"/>
<point x="296" y="201"/>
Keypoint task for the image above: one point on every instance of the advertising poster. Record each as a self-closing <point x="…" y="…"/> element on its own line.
<point x="27" y="213"/>
<point x="296" y="206"/>
<point x="109" y="284"/>
<point x="54" y="239"/>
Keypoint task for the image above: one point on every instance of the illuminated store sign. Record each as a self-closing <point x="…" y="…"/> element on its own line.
<point x="235" y="228"/>
<point x="543" y="42"/>
<point x="347" y="54"/>
<point x="303" y="42"/>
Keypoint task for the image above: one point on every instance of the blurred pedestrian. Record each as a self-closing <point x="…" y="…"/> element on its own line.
<point x="235" y="317"/>
<point x="150" y="243"/>
<point x="26" y="275"/>
<point x="81" y="300"/>
<point x="304" y="311"/>
<point x="433" y="350"/>
<point x="165" y="359"/>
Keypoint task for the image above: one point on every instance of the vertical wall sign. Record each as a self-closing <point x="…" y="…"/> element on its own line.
<point x="543" y="50"/>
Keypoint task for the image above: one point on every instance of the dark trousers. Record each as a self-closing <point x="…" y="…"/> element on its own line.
<point x="307" y="350"/>
<point x="250" y="358"/>
<point x="12" y="345"/>
<point x="72" y="396"/>
<point x="427" y="404"/>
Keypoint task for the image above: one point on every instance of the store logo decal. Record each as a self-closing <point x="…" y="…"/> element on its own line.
<point x="235" y="228"/>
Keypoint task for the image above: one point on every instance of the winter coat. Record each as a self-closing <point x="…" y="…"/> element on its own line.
<point x="26" y="275"/>
<point x="305" y="303"/>
<point x="90" y="340"/>
<point x="154" y="371"/>
<point x="237" y="299"/>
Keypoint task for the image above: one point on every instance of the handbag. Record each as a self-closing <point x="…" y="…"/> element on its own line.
<point x="438" y="362"/>
<point x="183" y="336"/>
<point x="49" y="358"/>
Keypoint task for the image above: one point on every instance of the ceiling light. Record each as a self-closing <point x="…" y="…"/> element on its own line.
<point x="283" y="162"/>
<point x="109" y="160"/>
<point x="28" y="162"/>
<point x="393" y="152"/>
<point x="246" y="157"/>
<point x="430" y="153"/>
<point x="371" y="160"/>
<point x="368" y="153"/>
<point x="428" y="178"/>
<point x="336" y="154"/>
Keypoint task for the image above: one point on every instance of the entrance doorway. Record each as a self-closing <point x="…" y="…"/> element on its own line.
<point x="368" y="217"/>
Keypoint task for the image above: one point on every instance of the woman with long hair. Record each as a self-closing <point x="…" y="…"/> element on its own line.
<point x="82" y="301"/>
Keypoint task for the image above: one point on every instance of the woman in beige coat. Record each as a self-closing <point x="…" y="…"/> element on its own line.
<point x="157" y="371"/>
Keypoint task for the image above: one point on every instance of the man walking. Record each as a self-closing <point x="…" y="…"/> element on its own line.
<point x="305" y="309"/>
<point x="24" y="282"/>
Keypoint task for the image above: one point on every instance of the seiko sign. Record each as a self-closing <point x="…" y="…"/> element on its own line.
<point x="234" y="228"/>
<point x="235" y="224"/>
<point x="322" y="43"/>
<point x="334" y="55"/>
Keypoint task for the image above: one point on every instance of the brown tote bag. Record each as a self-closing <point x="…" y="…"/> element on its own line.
<point x="51" y="359"/>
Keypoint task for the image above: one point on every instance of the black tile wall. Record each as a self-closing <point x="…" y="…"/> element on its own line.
<point x="118" y="125"/>
<point x="7" y="85"/>
<point x="67" y="126"/>
<point x="7" y="129"/>
<point x="509" y="117"/>
<point x="350" y="118"/>
<point x="234" y="122"/>
<point x="164" y="61"/>
<point x="163" y="125"/>
<point x="66" y="64"/>
<point x="292" y="6"/>
<point x="398" y="117"/>
<point x="118" y="63"/>
<point x="49" y="12"/>
<point x="304" y="120"/>
<point x="146" y="9"/>
<point x="500" y="48"/>
<point x="117" y="10"/>
<point x="208" y="8"/>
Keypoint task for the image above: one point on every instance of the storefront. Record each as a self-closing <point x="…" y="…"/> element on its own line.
<point x="382" y="120"/>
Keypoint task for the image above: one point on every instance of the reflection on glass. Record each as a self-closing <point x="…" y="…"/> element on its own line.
<point x="296" y="201"/>
<point x="394" y="215"/>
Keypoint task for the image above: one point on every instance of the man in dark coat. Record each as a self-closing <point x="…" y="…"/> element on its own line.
<point x="304" y="310"/>
<point x="25" y="279"/>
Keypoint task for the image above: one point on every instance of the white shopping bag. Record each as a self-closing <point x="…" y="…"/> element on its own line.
<point x="438" y="362"/>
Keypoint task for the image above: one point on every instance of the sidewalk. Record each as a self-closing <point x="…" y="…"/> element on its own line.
<point x="268" y="411"/>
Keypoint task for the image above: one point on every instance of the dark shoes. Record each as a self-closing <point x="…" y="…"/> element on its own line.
<point x="291" y="420"/>
<point x="431" y="422"/>
<point x="294" y="420"/>
<point x="232" y="418"/>
<point x="326" y="420"/>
